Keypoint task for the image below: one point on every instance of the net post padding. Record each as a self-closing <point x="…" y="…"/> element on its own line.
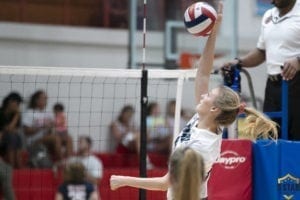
<point x="178" y="108"/>
<point x="143" y="126"/>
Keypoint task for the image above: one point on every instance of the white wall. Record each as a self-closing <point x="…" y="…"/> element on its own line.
<point x="61" y="46"/>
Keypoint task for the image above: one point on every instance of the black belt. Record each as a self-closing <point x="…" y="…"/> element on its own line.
<point x="275" y="78"/>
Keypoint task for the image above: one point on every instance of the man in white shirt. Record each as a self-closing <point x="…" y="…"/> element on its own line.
<point x="279" y="46"/>
<point x="92" y="164"/>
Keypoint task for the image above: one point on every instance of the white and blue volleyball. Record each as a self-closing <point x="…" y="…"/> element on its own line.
<point x="199" y="18"/>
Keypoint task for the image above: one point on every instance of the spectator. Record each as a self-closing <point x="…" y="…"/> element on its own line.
<point x="60" y="119"/>
<point x="61" y="128"/>
<point x="75" y="185"/>
<point x="159" y="137"/>
<point x="279" y="45"/>
<point x="124" y="132"/>
<point x="92" y="164"/>
<point x="10" y="124"/>
<point x="39" y="125"/>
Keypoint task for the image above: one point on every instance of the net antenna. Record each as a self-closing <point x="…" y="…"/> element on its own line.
<point x="144" y="34"/>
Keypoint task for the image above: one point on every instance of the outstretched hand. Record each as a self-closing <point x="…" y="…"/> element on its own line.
<point x="116" y="182"/>
<point x="219" y="17"/>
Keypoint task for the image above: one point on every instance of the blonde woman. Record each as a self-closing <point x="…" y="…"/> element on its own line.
<point x="203" y="133"/>
<point x="185" y="183"/>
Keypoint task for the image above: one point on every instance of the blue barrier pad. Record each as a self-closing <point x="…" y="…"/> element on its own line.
<point x="276" y="170"/>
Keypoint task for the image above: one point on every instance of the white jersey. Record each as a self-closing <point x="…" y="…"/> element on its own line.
<point x="205" y="142"/>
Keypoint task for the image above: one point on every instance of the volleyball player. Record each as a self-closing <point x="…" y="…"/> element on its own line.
<point x="185" y="183"/>
<point x="203" y="133"/>
<point x="75" y="185"/>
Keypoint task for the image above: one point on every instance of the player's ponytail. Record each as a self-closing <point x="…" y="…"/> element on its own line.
<point x="186" y="174"/>
<point x="257" y="125"/>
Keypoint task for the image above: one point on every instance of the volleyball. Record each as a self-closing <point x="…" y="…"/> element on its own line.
<point x="199" y="19"/>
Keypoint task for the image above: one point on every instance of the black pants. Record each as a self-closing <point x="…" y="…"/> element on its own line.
<point x="273" y="103"/>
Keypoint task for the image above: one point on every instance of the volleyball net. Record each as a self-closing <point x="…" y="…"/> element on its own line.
<point x="94" y="97"/>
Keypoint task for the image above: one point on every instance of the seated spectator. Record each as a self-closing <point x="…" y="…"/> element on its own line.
<point x="75" y="185"/>
<point x="159" y="137"/>
<point x="124" y="132"/>
<point x="61" y="129"/>
<point x="10" y="124"/>
<point x="39" y="125"/>
<point x="92" y="164"/>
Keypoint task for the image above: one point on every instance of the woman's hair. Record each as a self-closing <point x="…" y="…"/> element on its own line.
<point x="34" y="98"/>
<point x="74" y="173"/>
<point x="257" y="124"/>
<point x="126" y="108"/>
<point x="151" y="107"/>
<point x="186" y="169"/>
<point x="13" y="96"/>
<point x="59" y="107"/>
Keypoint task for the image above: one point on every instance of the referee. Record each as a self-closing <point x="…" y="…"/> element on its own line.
<point x="279" y="45"/>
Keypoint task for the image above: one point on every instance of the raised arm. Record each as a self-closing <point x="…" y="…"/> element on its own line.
<point x="206" y="60"/>
<point x="157" y="183"/>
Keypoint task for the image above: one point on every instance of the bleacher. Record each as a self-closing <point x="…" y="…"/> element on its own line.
<point x="41" y="184"/>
